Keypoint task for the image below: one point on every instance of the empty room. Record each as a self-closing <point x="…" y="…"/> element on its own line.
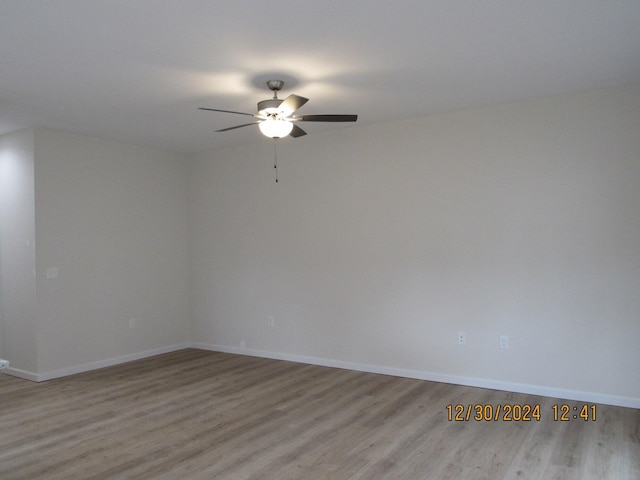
<point x="319" y="240"/>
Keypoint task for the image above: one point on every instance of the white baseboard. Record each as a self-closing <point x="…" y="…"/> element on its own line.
<point x="16" y="372"/>
<point x="575" y="395"/>
<point x="63" y="372"/>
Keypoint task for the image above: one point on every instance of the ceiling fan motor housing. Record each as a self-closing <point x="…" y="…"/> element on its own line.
<point x="269" y="107"/>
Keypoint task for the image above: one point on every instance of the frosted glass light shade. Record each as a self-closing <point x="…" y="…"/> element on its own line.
<point x="275" y="127"/>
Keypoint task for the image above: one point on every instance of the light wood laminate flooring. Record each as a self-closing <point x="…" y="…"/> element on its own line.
<point x="196" y="414"/>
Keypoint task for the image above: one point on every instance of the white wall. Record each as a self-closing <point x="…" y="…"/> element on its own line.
<point x="18" y="337"/>
<point x="380" y="243"/>
<point x="112" y="219"/>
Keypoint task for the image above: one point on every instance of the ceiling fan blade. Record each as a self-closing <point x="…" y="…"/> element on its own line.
<point x="297" y="132"/>
<point x="291" y="104"/>
<point x="327" y="118"/>
<point x="227" y="111"/>
<point x="237" y="126"/>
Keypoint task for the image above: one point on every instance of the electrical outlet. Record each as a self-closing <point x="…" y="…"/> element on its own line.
<point x="271" y="321"/>
<point x="504" y="341"/>
<point x="462" y="338"/>
<point x="132" y="323"/>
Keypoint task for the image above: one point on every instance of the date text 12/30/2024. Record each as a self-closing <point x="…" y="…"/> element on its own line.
<point x="518" y="413"/>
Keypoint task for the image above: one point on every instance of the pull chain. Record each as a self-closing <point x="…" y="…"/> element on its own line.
<point x="275" y="159"/>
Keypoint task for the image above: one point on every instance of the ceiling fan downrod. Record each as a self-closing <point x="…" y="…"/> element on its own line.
<point x="269" y="107"/>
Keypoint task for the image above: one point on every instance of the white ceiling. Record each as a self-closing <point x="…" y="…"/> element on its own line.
<point x="136" y="70"/>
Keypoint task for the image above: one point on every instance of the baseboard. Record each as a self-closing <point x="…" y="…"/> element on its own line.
<point x="574" y="395"/>
<point x="63" y="372"/>
<point x="25" y="374"/>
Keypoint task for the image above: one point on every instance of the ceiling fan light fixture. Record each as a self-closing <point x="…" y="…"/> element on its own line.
<point x="275" y="127"/>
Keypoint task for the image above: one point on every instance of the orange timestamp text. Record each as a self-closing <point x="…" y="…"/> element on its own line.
<point x="487" y="412"/>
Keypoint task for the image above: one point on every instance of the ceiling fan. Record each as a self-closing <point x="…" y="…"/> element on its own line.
<point x="275" y="117"/>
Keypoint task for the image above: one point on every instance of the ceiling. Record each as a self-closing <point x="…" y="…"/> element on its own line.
<point x="136" y="71"/>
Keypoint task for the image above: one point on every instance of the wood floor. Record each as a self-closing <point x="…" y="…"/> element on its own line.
<point x="203" y="415"/>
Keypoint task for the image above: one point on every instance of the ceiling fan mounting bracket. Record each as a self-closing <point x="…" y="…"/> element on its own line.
<point x="275" y="85"/>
